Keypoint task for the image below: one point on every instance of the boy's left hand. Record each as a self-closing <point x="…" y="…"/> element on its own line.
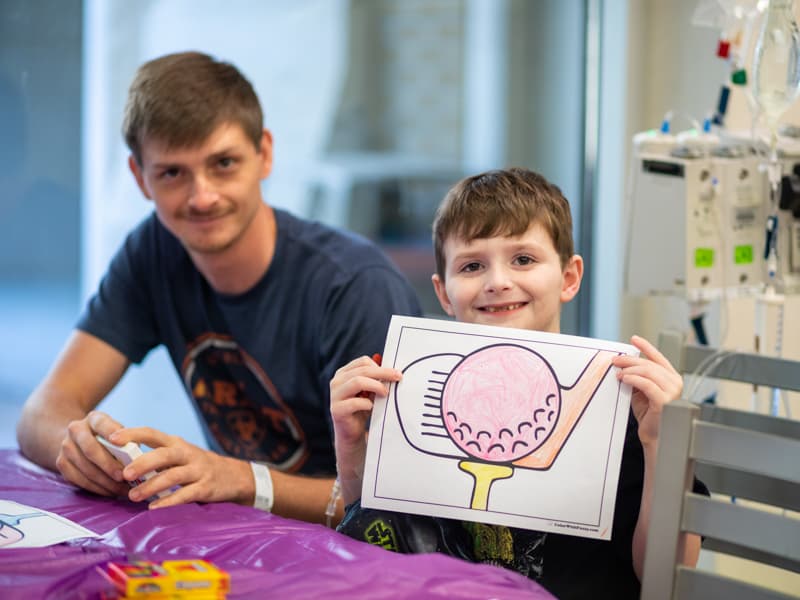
<point x="654" y="381"/>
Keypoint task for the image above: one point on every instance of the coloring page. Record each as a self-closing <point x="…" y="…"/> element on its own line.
<point x="24" y="526"/>
<point x="499" y="425"/>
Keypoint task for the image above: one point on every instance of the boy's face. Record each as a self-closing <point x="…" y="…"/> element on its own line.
<point x="508" y="281"/>
<point x="206" y="195"/>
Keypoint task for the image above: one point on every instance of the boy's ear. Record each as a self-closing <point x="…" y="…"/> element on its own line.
<point x="441" y="294"/>
<point x="571" y="278"/>
<point x="137" y="174"/>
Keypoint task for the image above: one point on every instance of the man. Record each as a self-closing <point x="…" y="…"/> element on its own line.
<point x="256" y="308"/>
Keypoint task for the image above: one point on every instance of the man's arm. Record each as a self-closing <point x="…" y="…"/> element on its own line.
<point x="57" y="426"/>
<point x="200" y="475"/>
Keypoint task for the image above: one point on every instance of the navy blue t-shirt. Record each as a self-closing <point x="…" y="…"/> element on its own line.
<point x="257" y="365"/>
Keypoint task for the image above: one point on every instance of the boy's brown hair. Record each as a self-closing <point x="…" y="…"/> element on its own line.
<point x="180" y="99"/>
<point x="502" y="203"/>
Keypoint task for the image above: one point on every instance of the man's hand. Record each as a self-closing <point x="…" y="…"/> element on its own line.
<point x="198" y="474"/>
<point x="82" y="460"/>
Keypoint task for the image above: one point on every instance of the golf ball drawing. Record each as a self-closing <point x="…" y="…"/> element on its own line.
<point x="494" y="409"/>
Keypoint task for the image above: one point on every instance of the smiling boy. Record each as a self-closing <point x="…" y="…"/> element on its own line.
<point x="504" y="256"/>
<point x="256" y="307"/>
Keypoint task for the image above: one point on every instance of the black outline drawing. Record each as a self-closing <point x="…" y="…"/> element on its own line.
<point x="423" y="424"/>
<point x="10" y="532"/>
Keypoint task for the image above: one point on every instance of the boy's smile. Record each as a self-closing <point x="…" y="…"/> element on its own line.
<point x="503" y="307"/>
<point x="508" y="281"/>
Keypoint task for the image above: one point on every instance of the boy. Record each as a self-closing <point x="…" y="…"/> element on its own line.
<point x="504" y="256"/>
<point x="256" y="307"/>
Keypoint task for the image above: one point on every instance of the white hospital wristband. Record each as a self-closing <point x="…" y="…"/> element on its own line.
<point x="265" y="495"/>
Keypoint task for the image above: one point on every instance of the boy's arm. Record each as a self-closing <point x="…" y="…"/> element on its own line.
<point x="689" y="544"/>
<point x="57" y="427"/>
<point x="353" y="389"/>
<point x="655" y="382"/>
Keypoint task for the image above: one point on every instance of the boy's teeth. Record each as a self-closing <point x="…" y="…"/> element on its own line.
<point x="502" y="308"/>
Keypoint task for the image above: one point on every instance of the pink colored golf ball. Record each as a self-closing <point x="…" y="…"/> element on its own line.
<point x="501" y="403"/>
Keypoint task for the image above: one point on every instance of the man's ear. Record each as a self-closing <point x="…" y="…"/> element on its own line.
<point x="137" y="175"/>
<point x="571" y="278"/>
<point x="265" y="149"/>
<point x="441" y="294"/>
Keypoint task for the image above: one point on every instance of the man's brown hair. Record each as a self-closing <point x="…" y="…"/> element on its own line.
<point x="502" y="203"/>
<point x="180" y="99"/>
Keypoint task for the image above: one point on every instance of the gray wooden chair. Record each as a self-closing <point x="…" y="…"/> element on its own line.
<point x="740" y="456"/>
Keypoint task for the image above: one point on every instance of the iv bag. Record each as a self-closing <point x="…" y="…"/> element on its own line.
<point x="776" y="66"/>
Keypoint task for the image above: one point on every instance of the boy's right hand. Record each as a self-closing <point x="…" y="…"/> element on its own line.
<point x="83" y="461"/>
<point x="353" y="390"/>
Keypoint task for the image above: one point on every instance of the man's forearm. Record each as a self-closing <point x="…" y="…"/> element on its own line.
<point x="40" y="432"/>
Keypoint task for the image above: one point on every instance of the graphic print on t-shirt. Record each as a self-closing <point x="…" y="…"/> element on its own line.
<point x="241" y="406"/>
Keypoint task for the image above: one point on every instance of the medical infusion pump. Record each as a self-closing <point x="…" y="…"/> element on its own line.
<point x="697" y="220"/>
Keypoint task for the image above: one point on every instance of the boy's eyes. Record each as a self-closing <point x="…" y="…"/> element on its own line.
<point x="226" y="162"/>
<point x="524" y="260"/>
<point x="470" y="267"/>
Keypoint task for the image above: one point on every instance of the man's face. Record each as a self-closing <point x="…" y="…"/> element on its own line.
<point x="206" y="195"/>
<point x="507" y="281"/>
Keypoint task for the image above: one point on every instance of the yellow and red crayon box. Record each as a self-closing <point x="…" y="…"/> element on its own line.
<point x="174" y="579"/>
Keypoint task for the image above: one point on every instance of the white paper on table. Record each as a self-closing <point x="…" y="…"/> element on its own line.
<point x="498" y="425"/>
<point x="23" y="526"/>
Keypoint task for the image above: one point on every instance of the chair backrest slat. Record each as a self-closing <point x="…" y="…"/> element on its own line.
<point x="768" y="533"/>
<point x="751" y="486"/>
<point x="692" y="584"/>
<point x="749" y="420"/>
<point x="744" y="450"/>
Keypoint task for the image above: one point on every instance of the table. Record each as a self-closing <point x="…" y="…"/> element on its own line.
<point x="267" y="556"/>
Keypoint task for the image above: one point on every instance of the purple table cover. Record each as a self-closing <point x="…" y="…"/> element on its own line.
<point x="267" y="556"/>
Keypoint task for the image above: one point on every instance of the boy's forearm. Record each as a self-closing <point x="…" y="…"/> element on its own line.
<point x="689" y="547"/>
<point x="304" y="498"/>
<point x="639" y="542"/>
<point x="689" y="544"/>
<point x="350" y="467"/>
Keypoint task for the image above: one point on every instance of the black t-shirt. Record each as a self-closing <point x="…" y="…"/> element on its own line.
<point x="257" y="365"/>
<point x="570" y="567"/>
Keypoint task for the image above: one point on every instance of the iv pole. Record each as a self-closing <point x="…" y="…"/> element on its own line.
<point x="776" y="81"/>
